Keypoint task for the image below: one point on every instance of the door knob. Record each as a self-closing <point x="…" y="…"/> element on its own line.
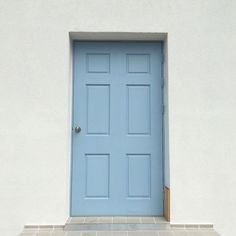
<point x="77" y="129"/>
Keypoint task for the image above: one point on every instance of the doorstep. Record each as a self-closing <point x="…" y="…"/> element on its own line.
<point x="116" y="223"/>
<point x="119" y="226"/>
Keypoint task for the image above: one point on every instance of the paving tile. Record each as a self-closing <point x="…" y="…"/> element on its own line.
<point x="45" y="227"/>
<point x="159" y="219"/>
<point x="165" y="233"/>
<point x="191" y="227"/>
<point x="133" y="219"/>
<point x="27" y="234"/>
<point x="91" y="219"/>
<point x="209" y="233"/>
<point x="29" y="231"/>
<point x="112" y="233"/>
<point x="177" y="226"/>
<point x="119" y="219"/>
<point x="206" y="226"/>
<point x="43" y="233"/>
<point x="31" y="227"/>
<point x="93" y="233"/>
<point x="194" y="233"/>
<point x="58" y="233"/>
<point x="178" y="232"/>
<point x="78" y="220"/>
<point x="142" y="233"/>
<point x="146" y="220"/>
<point x="104" y="219"/>
<point x="73" y="233"/>
<point x="59" y="227"/>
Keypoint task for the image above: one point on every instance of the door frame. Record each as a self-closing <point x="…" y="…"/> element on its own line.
<point x="142" y="37"/>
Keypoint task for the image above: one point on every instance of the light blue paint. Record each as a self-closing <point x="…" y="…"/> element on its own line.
<point x="117" y="101"/>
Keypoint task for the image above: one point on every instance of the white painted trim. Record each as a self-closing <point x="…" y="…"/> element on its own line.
<point x="70" y="117"/>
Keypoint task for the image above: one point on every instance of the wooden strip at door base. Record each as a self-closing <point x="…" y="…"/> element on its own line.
<point x="167" y="203"/>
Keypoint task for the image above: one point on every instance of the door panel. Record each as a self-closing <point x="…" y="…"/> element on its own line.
<point x="98" y="109"/>
<point x="117" y="102"/>
<point x="138" y="110"/>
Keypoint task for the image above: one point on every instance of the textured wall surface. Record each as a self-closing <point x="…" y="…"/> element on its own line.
<point x="35" y="101"/>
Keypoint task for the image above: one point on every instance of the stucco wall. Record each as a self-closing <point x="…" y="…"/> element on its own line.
<point x="35" y="97"/>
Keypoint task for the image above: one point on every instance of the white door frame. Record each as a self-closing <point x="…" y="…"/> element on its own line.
<point x="109" y="36"/>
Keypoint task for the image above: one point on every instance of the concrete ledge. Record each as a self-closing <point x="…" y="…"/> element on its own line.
<point x="118" y="36"/>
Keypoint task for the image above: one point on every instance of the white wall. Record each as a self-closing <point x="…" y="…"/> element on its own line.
<point x="35" y="87"/>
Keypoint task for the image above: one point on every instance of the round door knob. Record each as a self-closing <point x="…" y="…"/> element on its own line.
<point x="77" y="129"/>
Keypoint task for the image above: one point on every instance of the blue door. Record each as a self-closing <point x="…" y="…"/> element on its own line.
<point x="117" y="164"/>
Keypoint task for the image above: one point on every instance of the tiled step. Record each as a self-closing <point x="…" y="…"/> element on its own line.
<point x="116" y="223"/>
